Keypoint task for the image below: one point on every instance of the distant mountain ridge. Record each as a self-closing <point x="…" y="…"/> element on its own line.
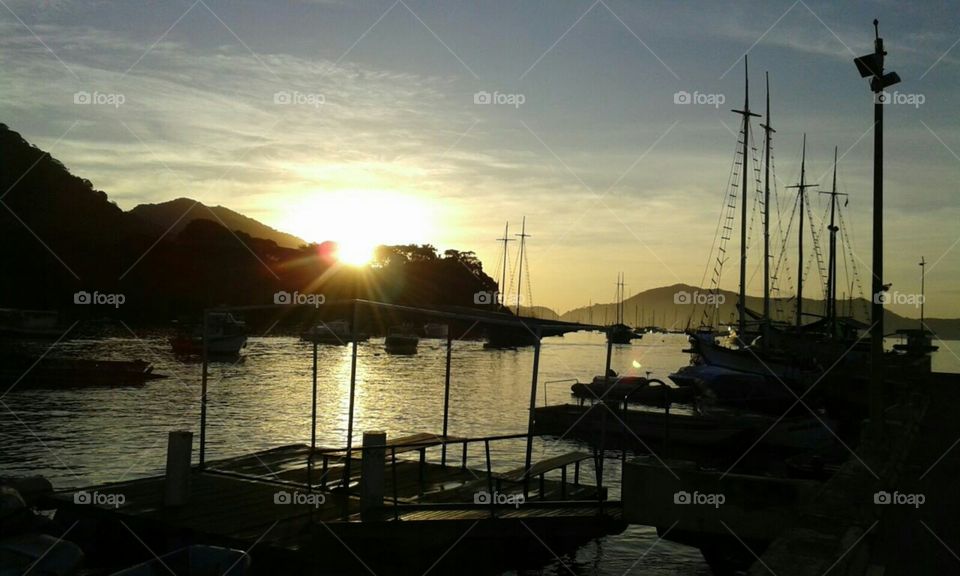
<point x="682" y="305"/>
<point x="175" y="215"/>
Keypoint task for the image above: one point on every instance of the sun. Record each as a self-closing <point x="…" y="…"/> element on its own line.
<point x="355" y="253"/>
<point x="359" y="220"/>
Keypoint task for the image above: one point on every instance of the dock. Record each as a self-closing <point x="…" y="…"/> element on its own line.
<point x="303" y="509"/>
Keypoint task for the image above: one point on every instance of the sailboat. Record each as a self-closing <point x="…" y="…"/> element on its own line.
<point x="497" y="336"/>
<point x="796" y="353"/>
<point x="619" y="332"/>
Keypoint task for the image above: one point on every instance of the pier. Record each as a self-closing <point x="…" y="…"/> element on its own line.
<point x="391" y="505"/>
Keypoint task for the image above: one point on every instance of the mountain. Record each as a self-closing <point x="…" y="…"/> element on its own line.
<point x="63" y="238"/>
<point x="541" y="312"/>
<point x="176" y="214"/>
<point x="680" y="306"/>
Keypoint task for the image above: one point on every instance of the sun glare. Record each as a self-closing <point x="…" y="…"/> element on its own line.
<point x="360" y="220"/>
<point x="355" y="254"/>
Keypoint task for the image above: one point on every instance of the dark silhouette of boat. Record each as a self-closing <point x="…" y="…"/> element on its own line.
<point x="401" y="341"/>
<point x="28" y="372"/>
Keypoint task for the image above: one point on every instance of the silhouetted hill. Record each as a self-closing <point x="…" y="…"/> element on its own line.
<point x="62" y="236"/>
<point x="176" y="214"/>
<point x="681" y="305"/>
<point x="541" y="312"/>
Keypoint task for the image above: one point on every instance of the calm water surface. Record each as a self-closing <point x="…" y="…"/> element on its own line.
<point x="83" y="437"/>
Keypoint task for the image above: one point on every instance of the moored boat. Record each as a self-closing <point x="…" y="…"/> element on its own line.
<point x="226" y="336"/>
<point x="401" y="340"/>
<point x="334" y="332"/>
<point x="29" y="323"/>
<point x="47" y="372"/>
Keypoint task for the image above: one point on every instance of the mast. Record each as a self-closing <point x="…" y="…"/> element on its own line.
<point x="523" y="240"/>
<point x="801" y="188"/>
<point x="503" y="275"/>
<point x="741" y="306"/>
<point x="767" y="129"/>
<point x="832" y="265"/>
<point x="923" y="297"/>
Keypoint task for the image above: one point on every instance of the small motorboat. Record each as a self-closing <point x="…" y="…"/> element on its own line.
<point x="610" y="386"/>
<point x="335" y="332"/>
<point x="226" y="336"/>
<point x="47" y="372"/>
<point x="634" y="389"/>
<point x="401" y="340"/>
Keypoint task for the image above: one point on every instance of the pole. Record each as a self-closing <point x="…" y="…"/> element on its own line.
<point x="313" y="419"/>
<point x="530" y="419"/>
<point x="876" y="312"/>
<point x="609" y="354"/>
<point x="876" y="309"/>
<point x="353" y="389"/>
<point x="923" y="291"/>
<point x="203" y="392"/>
<point x="446" y="398"/>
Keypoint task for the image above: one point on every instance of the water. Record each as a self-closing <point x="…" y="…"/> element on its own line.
<point x="83" y="437"/>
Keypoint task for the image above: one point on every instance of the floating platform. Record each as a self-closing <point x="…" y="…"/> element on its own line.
<point x="293" y="517"/>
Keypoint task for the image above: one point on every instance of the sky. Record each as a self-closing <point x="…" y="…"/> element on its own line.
<point x="401" y="121"/>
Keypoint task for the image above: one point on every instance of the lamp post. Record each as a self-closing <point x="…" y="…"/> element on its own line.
<point x="871" y="66"/>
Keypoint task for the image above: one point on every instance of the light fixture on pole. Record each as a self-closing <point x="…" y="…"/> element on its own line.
<point x="871" y="66"/>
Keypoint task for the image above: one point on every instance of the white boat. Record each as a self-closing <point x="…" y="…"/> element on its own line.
<point x="226" y="336"/>
<point x="336" y="332"/>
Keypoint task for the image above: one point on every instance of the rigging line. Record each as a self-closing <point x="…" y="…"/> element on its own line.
<point x="817" y="249"/>
<point x="783" y="246"/>
<point x="726" y="215"/>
